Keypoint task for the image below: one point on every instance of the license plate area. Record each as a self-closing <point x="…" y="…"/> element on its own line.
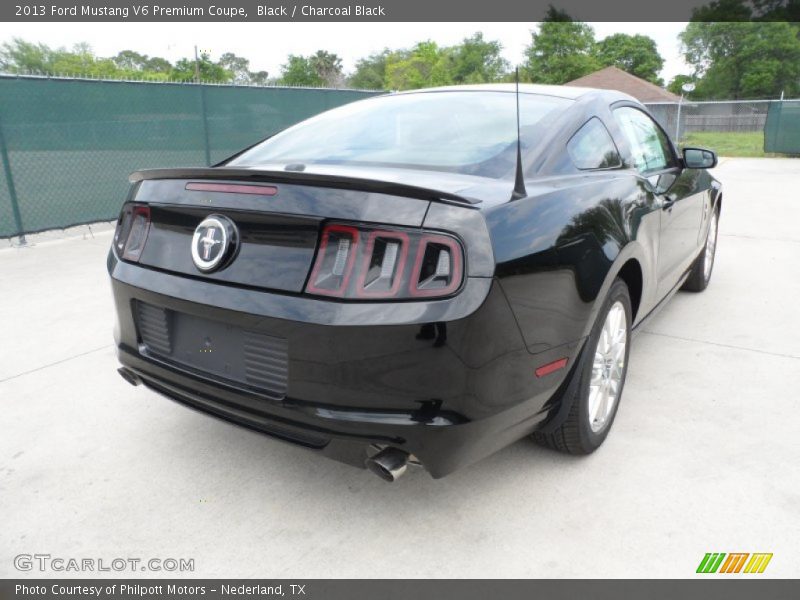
<point x="222" y="351"/>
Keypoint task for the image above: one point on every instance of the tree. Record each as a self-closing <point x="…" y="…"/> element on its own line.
<point x="370" y="73"/>
<point x="723" y="10"/>
<point x="476" y="60"/>
<point x="328" y="67"/>
<point x="425" y="65"/>
<point x="81" y="61"/>
<point x="186" y="70"/>
<point x="298" y="70"/>
<point x="259" y="77"/>
<point x="237" y="66"/>
<point x="156" y="64"/>
<point x="320" y="69"/>
<point x="676" y="83"/>
<point x="130" y="60"/>
<point x="636" y="54"/>
<point x="562" y="50"/>
<point x="734" y="60"/>
<point x="19" y="56"/>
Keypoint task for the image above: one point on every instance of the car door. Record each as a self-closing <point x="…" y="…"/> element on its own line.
<point x="676" y="189"/>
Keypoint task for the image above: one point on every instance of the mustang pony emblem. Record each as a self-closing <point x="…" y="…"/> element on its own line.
<point x="209" y="242"/>
<point x="214" y="243"/>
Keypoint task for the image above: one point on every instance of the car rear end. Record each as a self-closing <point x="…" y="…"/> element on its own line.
<point x="333" y="286"/>
<point x="347" y="320"/>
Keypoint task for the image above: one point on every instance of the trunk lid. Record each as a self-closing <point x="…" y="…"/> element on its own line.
<point x="278" y="233"/>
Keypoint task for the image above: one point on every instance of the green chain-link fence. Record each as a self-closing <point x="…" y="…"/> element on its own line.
<point x="68" y="145"/>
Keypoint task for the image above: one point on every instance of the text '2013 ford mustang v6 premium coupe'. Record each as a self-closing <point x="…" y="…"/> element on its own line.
<point x="416" y="278"/>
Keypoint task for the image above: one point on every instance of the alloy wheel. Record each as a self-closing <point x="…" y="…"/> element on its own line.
<point x="711" y="247"/>
<point x="608" y="367"/>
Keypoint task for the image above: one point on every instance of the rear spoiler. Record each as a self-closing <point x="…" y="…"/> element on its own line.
<point x="300" y="177"/>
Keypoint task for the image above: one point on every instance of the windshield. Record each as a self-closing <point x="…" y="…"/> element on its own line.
<point x="462" y="132"/>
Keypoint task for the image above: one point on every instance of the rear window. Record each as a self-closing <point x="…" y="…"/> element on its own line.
<point x="464" y="132"/>
<point x="592" y="147"/>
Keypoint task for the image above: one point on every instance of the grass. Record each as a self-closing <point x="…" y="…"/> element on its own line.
<point x="729" y="143"/>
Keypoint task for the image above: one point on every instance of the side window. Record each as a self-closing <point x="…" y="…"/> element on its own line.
<point x="650" y="147"/>
<point x="592" y="147"/>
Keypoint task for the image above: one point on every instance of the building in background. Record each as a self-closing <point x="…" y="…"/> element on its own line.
<point x="612" y="78"/>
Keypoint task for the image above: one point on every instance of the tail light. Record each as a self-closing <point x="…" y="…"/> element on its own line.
<point x="131" y="234"/>
<point x="364" y="263"/>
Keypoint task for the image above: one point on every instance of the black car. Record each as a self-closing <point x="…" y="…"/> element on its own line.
<point x="422" y="277"/>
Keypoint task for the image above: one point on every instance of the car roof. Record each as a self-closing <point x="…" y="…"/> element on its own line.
<point x="559" y="91"/>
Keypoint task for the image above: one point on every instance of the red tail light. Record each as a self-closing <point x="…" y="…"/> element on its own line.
<point x="132" y="229"/>
<point x="365" y="263"/>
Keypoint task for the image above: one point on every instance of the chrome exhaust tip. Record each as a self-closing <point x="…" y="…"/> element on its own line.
<point x="389" y="464"/>
<point x="129" y="376"/>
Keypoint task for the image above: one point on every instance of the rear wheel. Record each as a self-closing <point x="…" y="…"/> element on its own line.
<point x="703" y="265"/>
<point x="602" y="377"/>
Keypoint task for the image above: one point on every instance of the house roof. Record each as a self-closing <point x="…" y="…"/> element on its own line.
<point x="612" y="78"/>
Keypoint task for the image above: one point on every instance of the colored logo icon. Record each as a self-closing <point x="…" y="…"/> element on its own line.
<point x="734" y="562"/>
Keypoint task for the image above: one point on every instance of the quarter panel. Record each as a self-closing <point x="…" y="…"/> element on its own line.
<point x="558" y="252"/>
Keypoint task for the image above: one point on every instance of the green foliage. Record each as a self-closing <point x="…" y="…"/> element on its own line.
<point x="238" y="70"/>
<point x="188" y="69"/>
<point x="320" y="69"/>
<point x="370" y="72"/>
<point x="636" y="54"/>
<point x="297" y="70"/>
<point x="237" y="66"/>
<point x="561" y="50"/>
<point x="734" y="60"/>
<point x="157" y="65"/>
<point x="676" y="84"/>
<point x="476" y="60"/>
<point x="19" y="56"/>
<point x="130" y="60"/>
<point x="723" y="10"/>
<point x="328" y="67"/>
<point x="425" y="65"/>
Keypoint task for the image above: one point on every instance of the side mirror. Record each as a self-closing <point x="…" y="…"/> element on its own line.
<point x="699" y="158"/>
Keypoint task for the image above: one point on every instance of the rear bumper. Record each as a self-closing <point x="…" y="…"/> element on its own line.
<point x="447" y="381"/>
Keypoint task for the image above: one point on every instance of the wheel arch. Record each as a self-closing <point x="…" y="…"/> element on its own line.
<point x="628" y="266"/>
<point x="631" y="274"/>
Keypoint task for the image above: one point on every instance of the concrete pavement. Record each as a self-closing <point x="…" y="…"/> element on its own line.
<point x="703" y="456"/>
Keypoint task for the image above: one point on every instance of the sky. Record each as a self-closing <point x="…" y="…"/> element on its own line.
<point x="266" y="45"/>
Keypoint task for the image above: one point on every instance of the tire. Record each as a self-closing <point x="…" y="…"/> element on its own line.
<point x="701" y="271"/>
<point x="581" y="433"/>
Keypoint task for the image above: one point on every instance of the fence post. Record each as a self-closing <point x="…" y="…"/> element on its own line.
<point x="205" y="123"/>
<point x="12" y="190"/>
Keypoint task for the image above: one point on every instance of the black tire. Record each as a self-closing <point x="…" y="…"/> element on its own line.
<point x="575" y="435"/>
<point x="700" y="276"/>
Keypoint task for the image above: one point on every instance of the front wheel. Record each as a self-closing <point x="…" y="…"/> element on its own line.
<point x="602" y="377"/>
<point x="700" y="274"/>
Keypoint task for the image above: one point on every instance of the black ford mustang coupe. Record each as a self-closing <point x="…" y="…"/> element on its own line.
<point x="421" y="277"/>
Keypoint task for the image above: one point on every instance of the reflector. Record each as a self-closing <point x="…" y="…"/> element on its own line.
<point x="551" y="367"/>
